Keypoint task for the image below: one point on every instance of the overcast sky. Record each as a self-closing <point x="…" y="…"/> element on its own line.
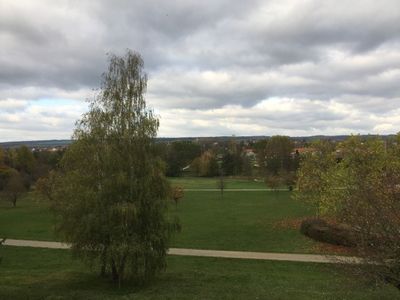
<point x="215" y="67"/>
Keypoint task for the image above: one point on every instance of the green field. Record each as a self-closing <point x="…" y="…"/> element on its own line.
<point x="28" y="273"/>
<point x="211" y="183"/>
<point x="236" y="221"/>
<point x="241" y="221"/>
<point x="31" y="219"/>
<point x="249" y="221"/>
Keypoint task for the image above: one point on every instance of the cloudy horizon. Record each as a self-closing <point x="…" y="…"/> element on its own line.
<point x="297" y="68"/>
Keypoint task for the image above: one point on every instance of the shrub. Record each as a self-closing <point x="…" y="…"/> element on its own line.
<point x="320" y="230"/>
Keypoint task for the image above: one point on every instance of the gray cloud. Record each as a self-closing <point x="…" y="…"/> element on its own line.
<point x="205" y="56"/>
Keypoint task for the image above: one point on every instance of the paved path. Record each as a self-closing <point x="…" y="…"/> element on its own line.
<point x="213" y="253"/>
<point x="235" y="190"/>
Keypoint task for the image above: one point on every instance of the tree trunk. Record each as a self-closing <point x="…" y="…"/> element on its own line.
<point x="114" y="271"/>
<point x="14" y="200"/>
<point x="121" y="273"/>
<point x="103" y="270"/>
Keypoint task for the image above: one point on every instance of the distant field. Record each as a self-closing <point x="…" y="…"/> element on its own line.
<point x="28" y="273"/>
<point x="211" y="183"/>
<point x="238" y="221"/>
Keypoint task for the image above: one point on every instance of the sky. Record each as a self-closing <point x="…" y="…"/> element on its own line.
<point x="215" y="67"/>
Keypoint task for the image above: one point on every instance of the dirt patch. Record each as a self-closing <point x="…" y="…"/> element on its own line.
<point x="292" y="223"/>
<point x="324" y="248"/>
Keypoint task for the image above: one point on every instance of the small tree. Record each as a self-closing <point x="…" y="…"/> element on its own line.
<point x="206" y="164"/>
<point x="278" y="154"/>
<point x="273" y="181"/>
<point x="24" y="160"/>
<point x="14" y="188"/>
<point x="177" y="194"/>
<point x="288" y="179"/>
<point x="111" y="197"/>
<point x="46" y="185"/>
<point x="221" y="184"/>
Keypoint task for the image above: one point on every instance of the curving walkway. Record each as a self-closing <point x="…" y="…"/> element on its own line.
<point x="236" y="190"/>
<point x="314" y="258"/>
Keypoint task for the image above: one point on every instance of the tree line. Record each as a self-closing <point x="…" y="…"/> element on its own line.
<point x="274" y="159"/>
<point x="21" y="167"/>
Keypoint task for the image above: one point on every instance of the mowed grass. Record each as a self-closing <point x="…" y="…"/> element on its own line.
<point x="245" y="221"/>
<point x="241" y="221"/>
<point x="28" y="273"/>
<point x="31" y="219"/>
<point x="211" y="183"/>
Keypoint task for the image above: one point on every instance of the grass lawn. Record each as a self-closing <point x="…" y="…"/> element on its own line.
<point x="241" y="221"/>
<point x="31" y="219"/>
<point x="211" y="183"/>
<point x="238" y="221"/>
<point x="28" y="273"/>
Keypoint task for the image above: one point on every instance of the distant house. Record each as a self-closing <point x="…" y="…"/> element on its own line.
<point x="249" y="153"/>
<point x="302" y="151"/>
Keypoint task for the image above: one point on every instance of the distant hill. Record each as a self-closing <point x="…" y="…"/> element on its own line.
<point x="63" y="143"/>
<point x="37" y="144"/>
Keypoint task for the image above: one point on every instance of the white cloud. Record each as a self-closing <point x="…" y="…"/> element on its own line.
<point x="39" y="120"/>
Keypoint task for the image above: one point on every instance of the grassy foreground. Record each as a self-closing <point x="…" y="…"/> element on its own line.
<point x="236" y="221"/>
<point x="28" y="273"/>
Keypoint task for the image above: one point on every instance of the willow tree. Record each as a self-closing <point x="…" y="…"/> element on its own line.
<point x="110" y="197"/>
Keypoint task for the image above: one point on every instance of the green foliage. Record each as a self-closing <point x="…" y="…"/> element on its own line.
<point x="5" y="174"/>
<point x="24" y="160"/>
<point x="362" y="190"/>
<point x="232" y="163"/>
<point x="247" y="166"/>
<point x="14" y="187"/>
<point x="206" y="164"/>
<point x="312" y="176"/>
<point x="178" y="155"/>
<point x="273" y="181"/>
<point x="2" y="156"/>
<point x="46" y="161"/>
<point x="278" y="154"/>
<point x="110" y="198"/>
<point x="259" y="147"/>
